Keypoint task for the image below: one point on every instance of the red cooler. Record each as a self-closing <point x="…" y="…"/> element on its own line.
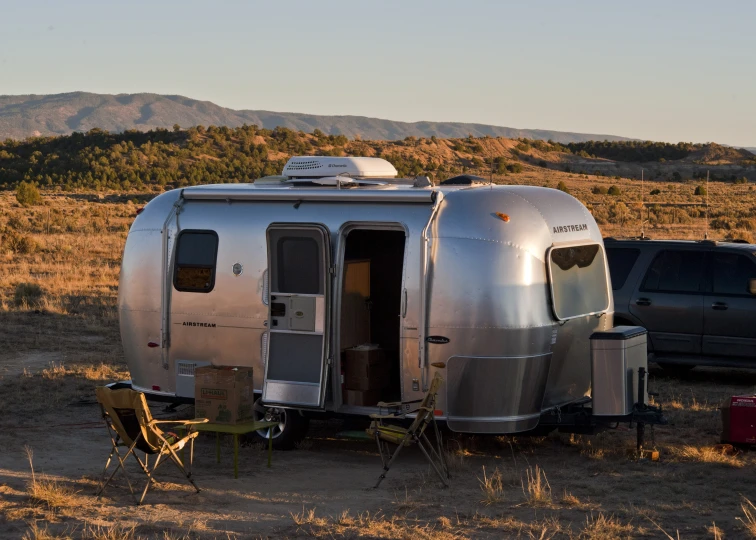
<point x="739" y="420"/>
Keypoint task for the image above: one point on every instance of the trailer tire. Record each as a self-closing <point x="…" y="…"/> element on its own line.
<point x="292" y="427"/>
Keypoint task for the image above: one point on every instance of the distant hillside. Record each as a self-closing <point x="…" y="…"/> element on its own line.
<point x="62" y="114"/>
<point x="198" y="155"/>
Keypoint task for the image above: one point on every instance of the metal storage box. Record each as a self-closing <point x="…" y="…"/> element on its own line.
<point x="616" y="355"/>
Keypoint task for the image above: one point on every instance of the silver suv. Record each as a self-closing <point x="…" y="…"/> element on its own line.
<point x="697" y="299"/>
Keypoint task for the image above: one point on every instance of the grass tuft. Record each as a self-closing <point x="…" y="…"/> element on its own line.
<point x="492" y="486"/>
<point x="536" y="487"/>
<point x="749" y="517"/>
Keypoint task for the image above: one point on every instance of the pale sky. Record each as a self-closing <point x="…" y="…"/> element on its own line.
<point x="661" y="70"/>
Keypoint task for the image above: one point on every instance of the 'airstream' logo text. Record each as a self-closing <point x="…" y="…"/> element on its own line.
<point x="204" y="324"/>
<point x="570" y="228"/>
<point x="336" y="165"/>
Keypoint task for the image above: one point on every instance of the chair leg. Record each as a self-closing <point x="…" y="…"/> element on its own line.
<point x="177" y="461"/>
<point x="387" y="466"/>
<point x="150" y="480"/>
<point x="440" y="446"/>
<point x="105" y="470"/>
<point x="430" y="459"/>
<point x="122" y="467"/>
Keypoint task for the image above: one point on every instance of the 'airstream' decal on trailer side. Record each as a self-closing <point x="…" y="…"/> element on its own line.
<point x="203" y="324"/>
<point x="570" y="228"/>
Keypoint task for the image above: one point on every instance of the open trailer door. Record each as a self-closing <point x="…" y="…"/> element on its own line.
<point x="297" y="361"/>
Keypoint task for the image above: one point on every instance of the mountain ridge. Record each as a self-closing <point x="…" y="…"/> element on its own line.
<point x="23" y="116"/>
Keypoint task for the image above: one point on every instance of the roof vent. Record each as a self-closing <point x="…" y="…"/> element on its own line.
<point x="327" y="166"/>
<point x="421" y="182"/>
<point x="463" y="180"/>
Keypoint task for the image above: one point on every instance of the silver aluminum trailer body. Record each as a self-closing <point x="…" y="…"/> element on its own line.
<point x="476" y="296"/>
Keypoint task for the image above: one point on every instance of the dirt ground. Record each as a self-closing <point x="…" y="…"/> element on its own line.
<point x="323" y="489"/>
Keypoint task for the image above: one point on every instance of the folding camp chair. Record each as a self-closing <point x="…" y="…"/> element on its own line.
<point x="131" y="425"/>
<point x="415" y="433"/>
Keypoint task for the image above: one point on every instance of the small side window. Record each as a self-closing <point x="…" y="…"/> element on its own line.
<point x="731" y="274"/>
<point x="196" y="255"/>
<point x="621" y="262"/>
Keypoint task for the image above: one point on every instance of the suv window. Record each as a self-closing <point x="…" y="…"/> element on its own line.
<point x="730" y="273"/>
<point x="196" y="253"/>
<point x="675" y="271"/>
<point x="578" y="281"/>
<point x="621" y="261"/>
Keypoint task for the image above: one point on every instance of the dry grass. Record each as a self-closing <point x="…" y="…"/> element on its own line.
<point x="370" y="525"/>
<point x="536" y="487"/>
<point x="492" y="486"/>
<point x="707" y="454"/>
<point x="748" y="519"/>
<point x="602" y="527"/>
<point x="48" y="492"/>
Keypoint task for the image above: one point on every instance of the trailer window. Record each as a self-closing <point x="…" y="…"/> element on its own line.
<point x="196" y="254"/>
<point x="578" y="281"/>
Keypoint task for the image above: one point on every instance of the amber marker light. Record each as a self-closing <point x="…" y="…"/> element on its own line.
<point x="503" y="217"/>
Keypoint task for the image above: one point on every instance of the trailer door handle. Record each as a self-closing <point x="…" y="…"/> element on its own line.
<point x="719" y="306"/>
<point x="643" y="301"/>
<point x="404" y="303"/>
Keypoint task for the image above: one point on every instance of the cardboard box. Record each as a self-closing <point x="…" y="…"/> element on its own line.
<point x="739" y="420"/>
<point x="223" y="395"/>
<point x="365" y="398"/>
<point x="366" y="368"/>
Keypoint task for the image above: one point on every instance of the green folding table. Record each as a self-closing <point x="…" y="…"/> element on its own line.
<point x="236" y="430"/>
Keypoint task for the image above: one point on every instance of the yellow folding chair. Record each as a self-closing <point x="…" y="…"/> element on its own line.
<point x="386" y="434"/>
<point x="130" y="425"/>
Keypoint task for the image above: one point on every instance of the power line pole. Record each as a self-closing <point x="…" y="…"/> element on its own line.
<point x="706" y="232"/>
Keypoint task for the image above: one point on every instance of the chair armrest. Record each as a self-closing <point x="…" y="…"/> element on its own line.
<point x="380" y="416"/>
<point x="389" y="404"/>
<point x="182" y="422"/>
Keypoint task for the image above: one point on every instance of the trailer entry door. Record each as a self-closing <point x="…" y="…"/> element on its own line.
<point x="296" y="367"/>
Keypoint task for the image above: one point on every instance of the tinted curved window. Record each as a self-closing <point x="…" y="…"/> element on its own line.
<point x="621" y="262"/>
<point x="731" y="273"/>
<point x="196" y="254"/>
<point x="578" y="281"/>
<point x="675" y="271"/>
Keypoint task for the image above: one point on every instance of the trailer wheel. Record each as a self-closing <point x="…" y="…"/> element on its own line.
<point x="292" y="426"/>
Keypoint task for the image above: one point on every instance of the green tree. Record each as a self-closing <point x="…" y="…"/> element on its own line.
<point x="27" y="194"/>
<point x="614" y="191"/>
<point x="700" y="190"/>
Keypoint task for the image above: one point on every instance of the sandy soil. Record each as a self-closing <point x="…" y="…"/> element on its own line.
<point x="323" y="489"/>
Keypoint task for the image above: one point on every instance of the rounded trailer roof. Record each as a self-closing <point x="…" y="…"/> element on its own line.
<point x="524" y="217"/>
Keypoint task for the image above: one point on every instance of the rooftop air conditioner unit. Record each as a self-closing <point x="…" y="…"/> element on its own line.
<point x="326" y="166"/>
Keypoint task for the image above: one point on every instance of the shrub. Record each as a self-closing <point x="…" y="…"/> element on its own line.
<point x="514" y="168"/>
<point x="561" y="186"/>
<point x="700" y="190"/>
<point x="655" y="191"/>
<point x="543" y="164"/>
<point x="599" y="190"/>
<point x="27" y="293"/>
<point x="615" y="191"/>
<point x="18" y="243"/>
<point x="27" y="194"/>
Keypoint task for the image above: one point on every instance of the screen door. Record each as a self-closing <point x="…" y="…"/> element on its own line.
<point x="295" y="371"/>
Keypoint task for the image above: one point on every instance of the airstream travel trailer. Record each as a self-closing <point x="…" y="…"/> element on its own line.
<point x="500" y="287"/>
